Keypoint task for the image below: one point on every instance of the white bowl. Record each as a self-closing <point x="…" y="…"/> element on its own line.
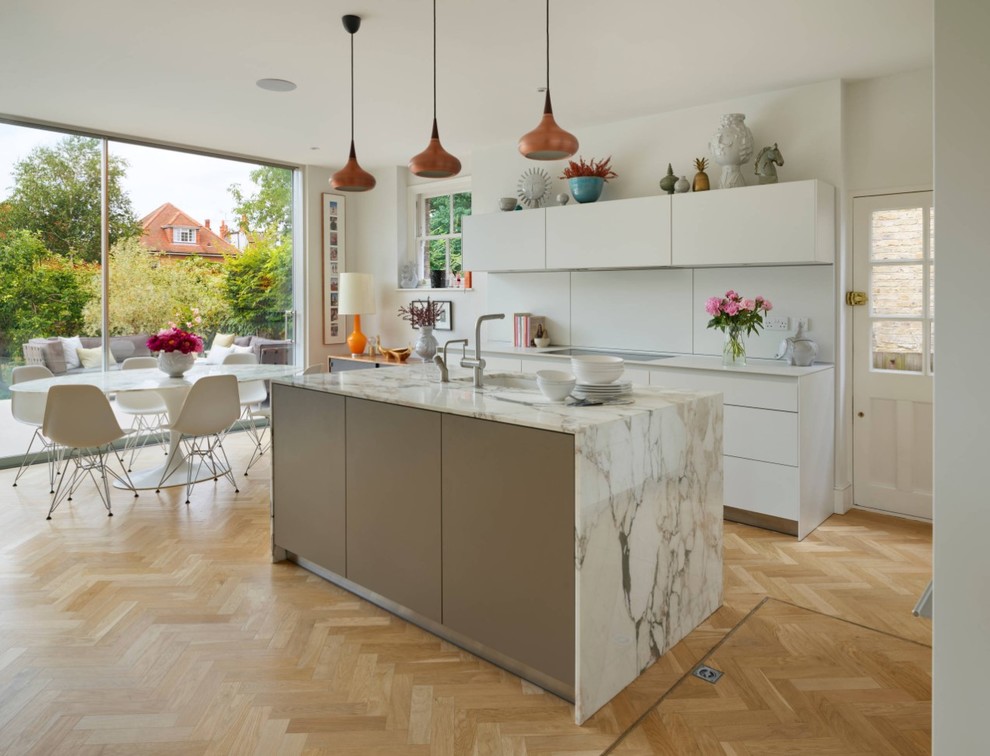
<point x="554" y="376"/>
<point x="597" y="368"/>
<point x="555" y="388"/>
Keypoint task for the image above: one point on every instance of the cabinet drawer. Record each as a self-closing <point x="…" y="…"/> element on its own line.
<point x="762" y="487"/>
<point x="764" y="435"/>
<point x="761" y="392"/>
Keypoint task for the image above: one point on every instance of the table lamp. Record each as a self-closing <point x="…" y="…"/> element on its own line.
<point x="357" y="296"/>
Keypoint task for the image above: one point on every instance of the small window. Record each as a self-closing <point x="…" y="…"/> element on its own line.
<point x="185" y="236"/>
<point x="437" y="227"/>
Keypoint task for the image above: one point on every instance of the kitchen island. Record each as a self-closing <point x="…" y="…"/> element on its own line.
<point x="571" y="545"/>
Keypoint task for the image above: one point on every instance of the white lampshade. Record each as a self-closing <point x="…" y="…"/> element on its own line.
<point x="357" y="294"/>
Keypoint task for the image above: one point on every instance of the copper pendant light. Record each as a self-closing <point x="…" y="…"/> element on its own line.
<point x="435" y="161"/>
<point x="352" y="177"/>
<point x="548" y="141"/>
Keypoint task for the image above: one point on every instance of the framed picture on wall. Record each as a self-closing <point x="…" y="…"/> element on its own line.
<point x="445" y="319"/>
<point x="334" y="261"/>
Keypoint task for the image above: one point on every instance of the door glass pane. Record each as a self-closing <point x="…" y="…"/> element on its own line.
<point x="897" y="345"/>
<point x="931" y="290"/>
<point x="897" y="290"/>
<point x="931" y="348"/>
<point x="897" y="234"/>
<point x="49" y="255"/>
<point x="931" y="231"/>
<point x="211" y="250"/>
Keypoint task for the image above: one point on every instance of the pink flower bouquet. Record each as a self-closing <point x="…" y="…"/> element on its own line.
<point x="174" y="339"/>
<point x="736" y="316"/>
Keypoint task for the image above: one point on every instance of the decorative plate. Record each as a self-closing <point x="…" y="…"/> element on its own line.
<point x="534" y="187"/>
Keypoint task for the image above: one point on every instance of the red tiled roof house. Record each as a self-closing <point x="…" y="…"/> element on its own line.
<point x="171" y="232"/>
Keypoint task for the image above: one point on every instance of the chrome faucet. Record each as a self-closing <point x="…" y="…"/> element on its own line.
<point x="477" y="362"/>
<point x="441" y="362"/>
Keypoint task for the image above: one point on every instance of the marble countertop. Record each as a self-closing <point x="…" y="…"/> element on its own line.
<point x="521" y="404"/>
<point x="754" y="366"/>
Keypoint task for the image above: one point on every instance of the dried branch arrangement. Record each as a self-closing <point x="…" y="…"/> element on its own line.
<point x="422" y="314"/>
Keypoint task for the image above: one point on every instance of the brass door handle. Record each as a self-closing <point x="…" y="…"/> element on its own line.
<point x="856" y="298"/>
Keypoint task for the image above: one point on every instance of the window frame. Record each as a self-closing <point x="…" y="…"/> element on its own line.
<point x="417" y="194"/>
<point x="182" y="230"/>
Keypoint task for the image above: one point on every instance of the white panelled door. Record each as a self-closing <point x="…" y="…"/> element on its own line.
<point x="893" y="352"/>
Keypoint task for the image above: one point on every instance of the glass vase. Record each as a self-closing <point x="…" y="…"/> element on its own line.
<point x="734" y="348"/>
<point x="426" y="344"/>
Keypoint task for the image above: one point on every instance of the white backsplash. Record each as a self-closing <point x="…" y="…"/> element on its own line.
<point x="632" y="309"/>
<point x="663" y="309"/>
<point x="547" y="294"/>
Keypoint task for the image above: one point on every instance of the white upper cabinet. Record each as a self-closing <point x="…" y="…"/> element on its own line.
<point x="632" y="233"/>
<point x="773" y="224"/>
<point x="505" y="241"/>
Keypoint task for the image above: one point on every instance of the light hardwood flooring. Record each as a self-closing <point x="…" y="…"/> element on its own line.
<point x="167" y="629"/>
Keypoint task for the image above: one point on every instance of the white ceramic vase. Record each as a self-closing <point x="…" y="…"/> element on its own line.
<point x="731" y="147"/>
<point x="175" y="364"/>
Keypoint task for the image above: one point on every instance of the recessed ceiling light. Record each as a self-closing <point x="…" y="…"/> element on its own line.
<point x="276" y="85"/>
<point x="314" y="148"/>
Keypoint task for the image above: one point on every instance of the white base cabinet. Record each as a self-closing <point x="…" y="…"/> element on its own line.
<point x="778" y="443"/>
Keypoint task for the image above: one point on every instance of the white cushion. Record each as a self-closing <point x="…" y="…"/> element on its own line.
<point x="69" y="347"/>
<point x="93" y="358"/>
<point x="223" y="339"/>
<point x="235" y="349"/>
<point x="216" y="354"/>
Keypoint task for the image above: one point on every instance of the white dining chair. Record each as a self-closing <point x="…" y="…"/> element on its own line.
<point x="80" y="420"/>
<point x="147" y="410"/>
<point x="209" y="409"/>
<point x="29" y="408"/>
<point x="262" y="436"/>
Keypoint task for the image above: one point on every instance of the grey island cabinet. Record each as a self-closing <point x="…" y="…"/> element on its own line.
<point x="572" y="546"/>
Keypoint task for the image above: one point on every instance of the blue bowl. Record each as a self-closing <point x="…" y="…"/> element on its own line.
<point x="586" y="188"/>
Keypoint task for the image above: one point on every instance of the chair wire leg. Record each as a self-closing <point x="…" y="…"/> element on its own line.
<point x="66" y="482"/>
<point x="27" y="454"/>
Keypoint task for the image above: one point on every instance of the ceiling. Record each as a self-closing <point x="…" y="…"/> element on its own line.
<point x="184" y="72"/>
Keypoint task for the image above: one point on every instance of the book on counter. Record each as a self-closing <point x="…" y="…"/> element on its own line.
<point x="524" y="327"/>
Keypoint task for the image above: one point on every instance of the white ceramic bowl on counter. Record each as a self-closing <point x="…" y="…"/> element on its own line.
<point x="556" y="385"/>
<point x="597" y="368"/>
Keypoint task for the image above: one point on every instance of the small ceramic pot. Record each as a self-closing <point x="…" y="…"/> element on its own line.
<point x="586" y="188"/>
<point x="505" y="204"/>
<point x="682" y="185"/>
<point x="438" y="279"/>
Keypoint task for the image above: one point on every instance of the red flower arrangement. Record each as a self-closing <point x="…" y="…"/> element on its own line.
<point x="174" y="339"/>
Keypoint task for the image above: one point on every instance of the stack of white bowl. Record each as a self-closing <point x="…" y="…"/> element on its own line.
<point x="597" y="368"/>
<point x="556" y="385"/>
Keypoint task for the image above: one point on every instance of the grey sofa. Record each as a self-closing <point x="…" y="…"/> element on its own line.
<point x="49" y="352"/>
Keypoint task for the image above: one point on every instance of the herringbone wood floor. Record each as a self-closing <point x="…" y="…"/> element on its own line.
<point x="166" y="629"/>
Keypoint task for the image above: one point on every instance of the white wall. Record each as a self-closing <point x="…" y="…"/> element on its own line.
<point x="804" y="121"/>
<point x="962" y="444"/>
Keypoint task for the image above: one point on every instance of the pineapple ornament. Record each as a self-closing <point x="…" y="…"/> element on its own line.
<point x="701" y="183"/>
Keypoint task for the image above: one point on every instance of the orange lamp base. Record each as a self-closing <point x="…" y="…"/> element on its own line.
<point x="357" y="342"/>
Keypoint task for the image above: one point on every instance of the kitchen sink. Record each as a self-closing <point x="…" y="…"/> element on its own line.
<point x="502" y="380"/>
<point x="629" y="356"/>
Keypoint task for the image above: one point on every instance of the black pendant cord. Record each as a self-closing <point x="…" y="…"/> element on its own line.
<point x="548" y="46"/>
<point x="434" y="60"/>
<point x="352" y="88"/>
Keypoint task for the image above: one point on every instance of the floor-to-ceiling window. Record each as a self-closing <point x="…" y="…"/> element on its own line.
<point x="202" y="241"/>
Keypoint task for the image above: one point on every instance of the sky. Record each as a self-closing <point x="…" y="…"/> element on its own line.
<point x="195" y="184"/>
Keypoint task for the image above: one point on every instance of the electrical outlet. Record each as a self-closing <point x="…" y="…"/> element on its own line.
<point x="804" y="323"/>
<point x="776" y="322"/>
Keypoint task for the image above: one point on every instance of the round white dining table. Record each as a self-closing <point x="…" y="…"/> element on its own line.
<point x="173" y="392"/>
